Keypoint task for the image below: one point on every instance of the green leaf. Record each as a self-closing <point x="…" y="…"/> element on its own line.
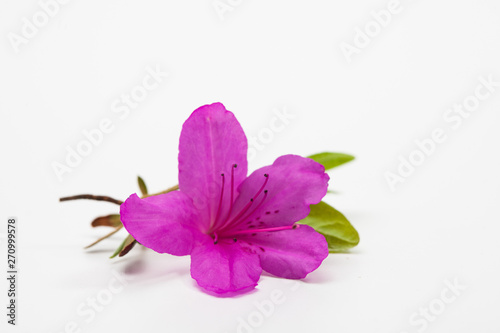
<point x="331" y="160"/>
<point x="142" y="186"/>
<point x="329" y="222"/>
<point x="112" y="220"/>
<point x="125" y="244"/>
<point x="119" y="249"/>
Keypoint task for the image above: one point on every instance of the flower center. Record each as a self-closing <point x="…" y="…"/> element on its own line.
<point x="221" y="226"/>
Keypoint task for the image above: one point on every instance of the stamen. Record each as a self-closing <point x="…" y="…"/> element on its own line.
<point x="241" y="232"/>
<point x="257" y="207"/>
<point x="263" y="185"/>
<point x="254" y="197"/>
<point x="247" y="206"/>
<point x="240" y="214"/>
<point x="220" y="201"/>
<point x="216" y="238"/>
<point x="232" y="183"/>
<point x="232" y="193"/>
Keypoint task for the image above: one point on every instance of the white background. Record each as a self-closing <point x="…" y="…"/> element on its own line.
<point x="441" y="224"/>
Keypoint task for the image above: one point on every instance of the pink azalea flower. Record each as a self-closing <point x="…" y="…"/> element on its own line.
<point x="233" y="226"/>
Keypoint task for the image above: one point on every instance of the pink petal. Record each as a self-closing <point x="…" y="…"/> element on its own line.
<point x="294" y="183"/>
<point x="211" y="142"/>
<point x="224" y="267"/>
<point x="163" y="223"/>
<point x="292" y="253"/>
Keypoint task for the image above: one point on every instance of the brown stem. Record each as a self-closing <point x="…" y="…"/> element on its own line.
<point x="104" y="237"/>
<point x="173" y="188"/>
<point x="92" y="197"/>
